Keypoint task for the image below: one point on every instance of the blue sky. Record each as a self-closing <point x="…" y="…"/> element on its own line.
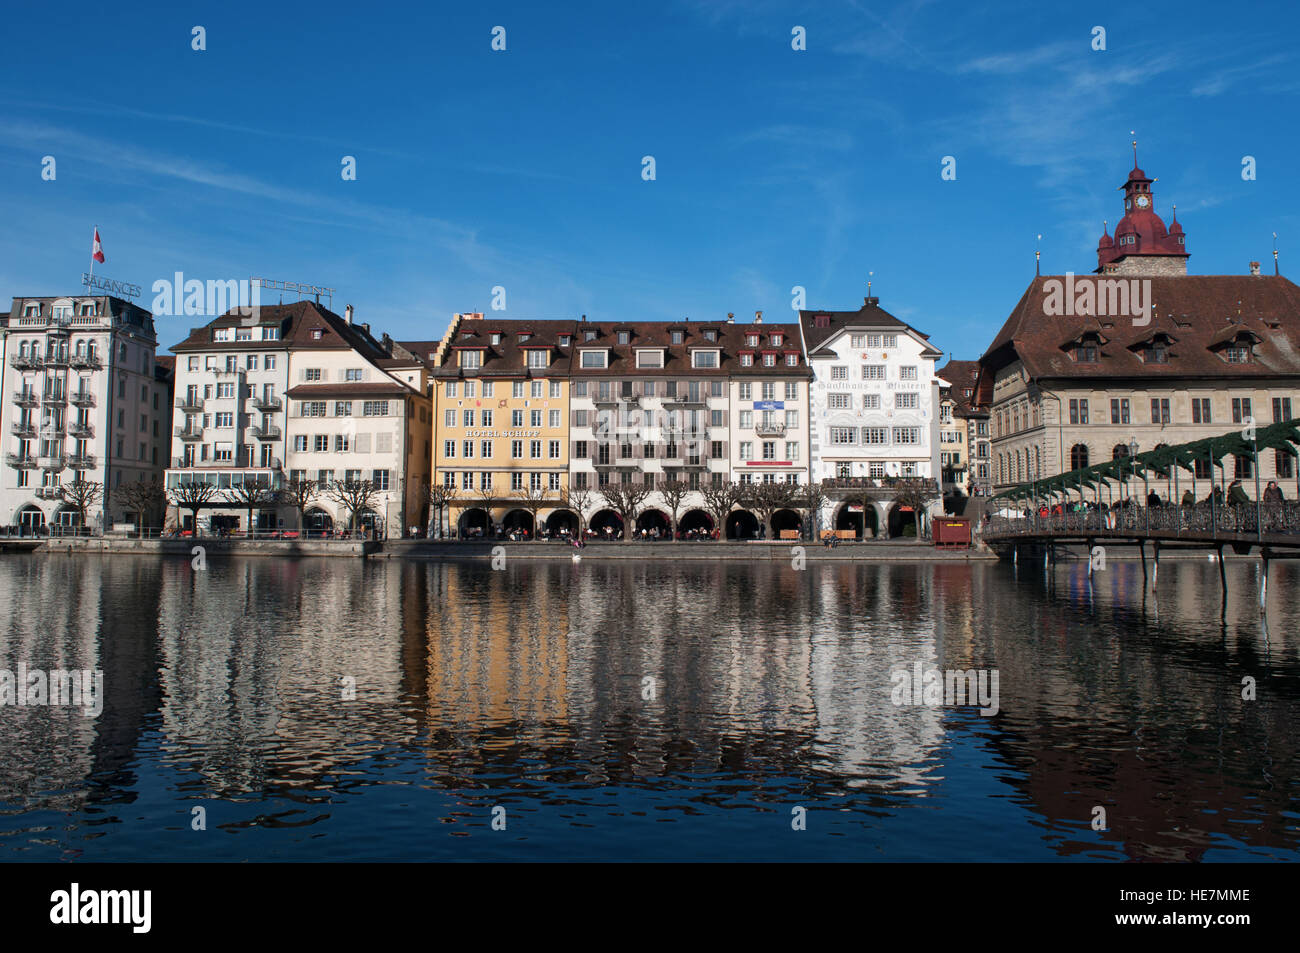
<point x="774" y="168"/>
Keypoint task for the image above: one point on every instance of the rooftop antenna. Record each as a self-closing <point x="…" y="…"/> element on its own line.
<point x="1275" y="254"/>
<point x="1133" y="132"/>
<point x="1038" y="255"/>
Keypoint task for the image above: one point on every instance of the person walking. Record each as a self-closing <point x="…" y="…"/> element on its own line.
<point x="1273" y="493"/>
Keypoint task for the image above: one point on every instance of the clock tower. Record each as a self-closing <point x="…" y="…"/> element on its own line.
<point x="1142" y="245"/>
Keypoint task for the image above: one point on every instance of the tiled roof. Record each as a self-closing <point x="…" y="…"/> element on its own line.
<point x="819" y="327"/>
<point x="506" y="357"/>
<point x="1196" y="313"/>
<point x="297" y="322"/>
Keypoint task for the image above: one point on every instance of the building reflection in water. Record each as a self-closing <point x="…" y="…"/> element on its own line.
<point x="734" y="684"/>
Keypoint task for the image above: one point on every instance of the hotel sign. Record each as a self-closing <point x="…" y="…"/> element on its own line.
<point x="769" y="405"/>
<point x="110" y="285"/>
<point x="493" y="434"/>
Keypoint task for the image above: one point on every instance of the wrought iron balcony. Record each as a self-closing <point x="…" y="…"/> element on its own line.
<point x="85" y="362"/>
<point x="20" y="460"/>
<point x="21" y="429"/>
<point x="190" y="432"/>
<point x="82" y="461"/>
<point x="191" y="405"/>
<point x="26" y="398"/>
<point x="82" y="431"/>
<point x="267" y="403"/>
<point x="49" y="492"/>
<point x="83" y="398"/>
<point x="265" y="433"/>
<point x="56" y="359"/>
<point x="55" y="397"/>
<point x="769" y="429"/>
<point x="25" y="361"/>
<point x="52" y="461"/>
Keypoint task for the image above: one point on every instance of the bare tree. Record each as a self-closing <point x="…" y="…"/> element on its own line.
<point x="913" y="494"/>
<point x="440" y="497"/>
<point x="766" y="498"/>
<point x="81" y="495"/>
<point x="144" y="497"/>
<point x="810" y="499"/>
<point x="719" y="498"/>
<point x="674" y="493"/>
<point x="579" y="500"/>
<point x="355" y="496"/>
<point x="251" y="496"/>
<point x="625" y="499"/>
<point x="193" y="497"/>
<point x="532" y="499"/>
<point x="300" y="494"/>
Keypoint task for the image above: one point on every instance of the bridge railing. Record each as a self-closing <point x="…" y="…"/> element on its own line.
<point x="1197" y="520"/>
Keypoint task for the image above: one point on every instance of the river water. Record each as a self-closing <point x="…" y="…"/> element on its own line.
<point x="323" y="709"/>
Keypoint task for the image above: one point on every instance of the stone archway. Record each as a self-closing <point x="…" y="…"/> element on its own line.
<point x="653" y="524"/>
<point x="695" y="524"/>
<point x="606" y="518"/>
<point x="785" y="521"/>
<point x="901" y="521"/>
<point x="474" y="523"/>
<point x="560" y="520"/>
<point x="742" y="524"/>
<point x="519" y="522"/>
<point x="849" y="516"/>
<point x="317" y="521"/>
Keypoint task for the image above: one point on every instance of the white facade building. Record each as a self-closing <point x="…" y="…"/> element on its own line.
<point x="83" y="399"/>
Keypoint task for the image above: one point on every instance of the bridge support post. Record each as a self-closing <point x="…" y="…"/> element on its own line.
<point x="1223" y="575"/>
<point x="1263" y="582"/>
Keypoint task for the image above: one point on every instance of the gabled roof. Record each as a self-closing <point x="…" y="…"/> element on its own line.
<point x="822" y="327"/>
<point x="1198" y="312"/>
<point x="297" y="323"/>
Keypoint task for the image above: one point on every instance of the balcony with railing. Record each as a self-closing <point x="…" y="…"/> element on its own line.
<point x="769" y="429"/>
<point x="85" y="362"/>
<point x="190" y="432"/>
<point x="26" y="362"/>
<point x="265" y="433"/>
<point x="26" y="398"/>
<point x="49" y="492"/>
<point x="21" y="461"/>
<point x="267" y="404"/>
<point x="685" y="402"/>
<point x="190" y="404"/>
<point x="57" y="358"/>
<point x="83" y="398"/>
<point x="53" y="461"/>
<point x="81" y="431"/>
<point x="55" y="397"/>
<point x="21" y="428"/>
<point x="82" y="461"/>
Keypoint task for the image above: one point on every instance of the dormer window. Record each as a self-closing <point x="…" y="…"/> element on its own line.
<point x="524" y="336"/>
<point x="769" y="360"/>
<point x="710" y="335"/>
<point x="792" y="359"/>
<point x="650" y="358"/>
<point x="778" y="340"/>
<point x="704" y="359"/>
<point x="589" y="335"/>
<point x="1085" y="353"/>
<point x="496" y="338"/>
<point x="316" y="334"/>
<point x="678" y="337"/>
<point x="624" y="337"/>
<point x="1157" y="353"/>
<point x="471" y="359"/>
<point x="33" y="311"/>
<point x="747" y="360"/>
<point x="1237" y="354"/>
<point x="595" y="359"/>
<point x="822" y="321"/>
<point x="537" y="358"/>
<point x="565" y="340"/>
<point x="751" y="340"/>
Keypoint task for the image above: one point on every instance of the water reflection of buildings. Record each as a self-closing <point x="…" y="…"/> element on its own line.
<point x="1097" y="688"/>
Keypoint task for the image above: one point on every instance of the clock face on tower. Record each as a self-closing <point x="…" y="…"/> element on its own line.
<point x="1142" y="201"/>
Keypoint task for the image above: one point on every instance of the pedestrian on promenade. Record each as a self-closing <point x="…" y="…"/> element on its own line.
<point x="1273" y="493"/>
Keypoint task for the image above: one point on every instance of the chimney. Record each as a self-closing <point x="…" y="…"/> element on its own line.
<point x="584" y="319"/>
<point x="1254" y="268"/>
<point x="347" y="314"/>
<point x="758" y="317"/>
<point x="731" y="317"/>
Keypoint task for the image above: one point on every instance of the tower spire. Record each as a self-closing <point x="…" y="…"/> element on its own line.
<point x="1133" y="132"/>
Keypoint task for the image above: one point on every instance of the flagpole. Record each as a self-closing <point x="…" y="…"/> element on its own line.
<point x="93" y="232"/>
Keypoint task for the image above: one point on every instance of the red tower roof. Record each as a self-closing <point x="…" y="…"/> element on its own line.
<point x="1141" y="231"/>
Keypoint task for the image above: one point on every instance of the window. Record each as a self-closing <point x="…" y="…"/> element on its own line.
<point x="1085" y="354"/>
<point x="449" y="449"/>
<point x="1119" y="410"/>
<point x="858" y="341"/>
<point x="870" y="401"/>
<point x="538" y="358"/>
<point x="839" y="373"/>
<point x="553" y="449"/>
<point x="678" y="337"/>
<point x="451" y="388"/>
<point x="791" y="390"/>
<point x="889" y="340"/>
<point x="746" y="450"/>
<point x="321" y="443"/>
<point x="905" y="401"/>
<point x="485" y="448"/>
<point x="554" y="390"/>
<point x="535" y="449"/>
<point x="270" y="334"/>
<point x="311" y="374"/>
<point x="907" y="435"/>
<point x="595" y="359"/>
<point x="907" y="372"/>
<point x="873" y="372"/>
<point x="553" y="419"/>
<point x="1236" y="355"/>
<point x="375" y="408"/>
<point x="1283" y="465"/>
<point x="300" y="443"/>
<point x="876" y="436"/>
<point x="843" y="435"/>
<point x="487" y="388"/>
<point x="471" y="360"/>
<point x="516" y="419"/>
<point x="1240" y="410"/>
<point x="467" y="449"/>
<point x="449" y="418"/>
<point x="352" y="374"/>
<point x="225" y="420"/>
<point x="1281" y="409"/>
<point x="1242" y="467"/>
<point x="342" y="408"/>
<point x="746" y="419"/>
<point x="840" y="401"/>
<point x="516" y="449"/>
<point x="1160" y="410"/>
<point x="380" y="479"/>
<point x="250" y="362"/>
<point x="746" y="391"/>
<point x="1079" y="411"/>
<point x="792" y="450"/>
<point x="342" y="443"/>
<point x="704" y="359"/>
<point x="1201" y="410"/>
<point x="468" y="418"/>
<point x="769" y="360"/>
<point x="535" y="419"/>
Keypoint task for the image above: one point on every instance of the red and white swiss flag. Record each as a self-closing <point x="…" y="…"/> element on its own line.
<point x="97" y="250"/>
